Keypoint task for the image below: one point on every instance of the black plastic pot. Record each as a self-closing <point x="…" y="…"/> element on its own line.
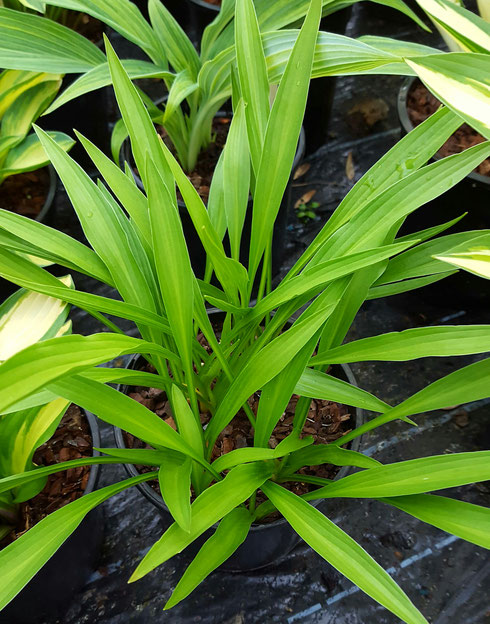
<point x="194" y="245"/>
<point x="178" y="8"/>
<point x="46" y="215"/>
<point x="49" y="594"/>
<point x="472" y="194"/>
<point x="265" y="543"/>
<point x="201" y="13"/>
<point x="322" y="90"/>
<point x="88" y="114"/>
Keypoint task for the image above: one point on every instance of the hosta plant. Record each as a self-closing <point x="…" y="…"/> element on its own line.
<point x="452" y="19"/>
<point x="198" y="83"/>
<point x="63" y="16"/>
<point x="26" y="318"/>
<point x="137" y="247"/>
<point x="24" y="96"/>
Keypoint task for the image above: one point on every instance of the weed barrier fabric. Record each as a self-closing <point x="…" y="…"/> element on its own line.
<point x="444" y="576"/>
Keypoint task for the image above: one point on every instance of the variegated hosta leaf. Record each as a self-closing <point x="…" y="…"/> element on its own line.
<point x="461" y="29"/>
<point x="37" y="5"/>
<point x="28" y="317"/>
<point x="21" y="434"/>
<point x="473" y="256"/>
<point x="462" y="82"/>
<point x="484" y="9"/>
<point x="30" y="155"/>
<point x="28" y="106"/>
<point x="14" y="82"/>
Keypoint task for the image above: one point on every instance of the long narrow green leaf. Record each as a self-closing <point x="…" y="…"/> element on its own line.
<point x="174" y="478"/>
<point x="105" y="226"/>
<point x="60" y="247"/>
<point x="121" y="411"/>
<point x="276" y="394"/>
<point x="408" y="155"/>
<point x="139" y="125"/>
<point x="21" y="559"/>
<point x="263" y="366"/>
<point x="231" y="532"/>
<point x="231" y="274"/>
<point x="34" y="43"/>
<point x="470" y="522"/>
<point x="246" y="455"/>
<point x="281" y="138"/>
<point x="236" y="178"/>
<point x="252" y="73"/>
<point x="343" y="553"/>
<point x="125" y="17"/>
<point x="100" y="76"/>
<point x="14" y="481"/>
<point x="414" y="476"/>
<point x="209" y="507"/>
<point x="318" y="385"/>
<point x="173" y="267"/>
<point x="412" y="344"/>
<point x="24" y="273"/>
<point x="44" y="362"/>
<point x="328" y="454"/>
<point x="180" y="52"/>
<point x="420" y="260"/>
<point x="395" y="288"/>
<point x="467" y="384"/>
<point x="187" y="425"/>
<point x="323" y="273"/>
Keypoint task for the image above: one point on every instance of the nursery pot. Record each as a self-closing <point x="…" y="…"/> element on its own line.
<point x="88" y="114"/>
<point x="265" y="543"/>
<point x="201" y="13"/>
<point x="194" y="245"/>
<point x="46" y="215"/>
<point x="472" y="194"/>
<point x="322" y="90"/>
<point x="50" y="592"/>
<point x="178" y="8"/>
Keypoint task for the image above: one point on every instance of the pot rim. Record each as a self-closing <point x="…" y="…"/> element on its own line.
<point x="150" y="494"/>
<point x="96" y="443"/>
<point x="207" y="5"/>
<point x="408" y="125"/>
<point x="48" y="202"/>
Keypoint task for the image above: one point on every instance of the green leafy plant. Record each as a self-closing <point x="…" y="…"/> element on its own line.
<point x="68" y="18"/>
<point x="137" y="246"/>
<point x="198" y="83"/>
<point x="24" y="96"/>
<point x="26" y="318"/>
<point x="454" y="22"/>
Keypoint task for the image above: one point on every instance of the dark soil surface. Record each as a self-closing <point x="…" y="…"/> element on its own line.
<point x="203" y="173"/>
<point x="326" y="422"/>
<point x="89" y="27"/>
<point x="72" y="440"/>
<point x="25" y="193"/>
<point x="421" y="104"/>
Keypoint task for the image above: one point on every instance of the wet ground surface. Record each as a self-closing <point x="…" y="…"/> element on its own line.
<point x="445" y="577"/>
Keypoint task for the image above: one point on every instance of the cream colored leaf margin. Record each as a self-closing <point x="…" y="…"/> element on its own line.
<point x="31" y="318"/>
